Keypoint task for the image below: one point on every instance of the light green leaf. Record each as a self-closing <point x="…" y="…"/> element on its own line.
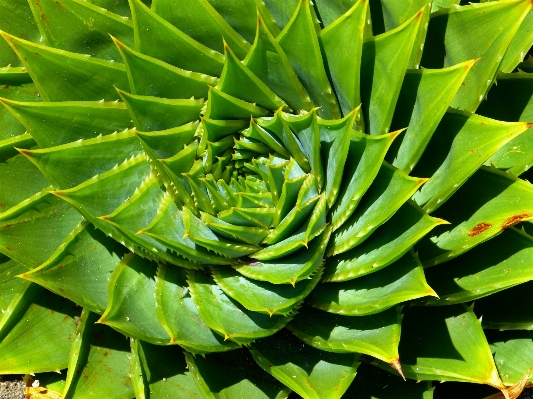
<point x="80" y="268"/>
<point x="389" y="191"/>
<point x="498" y="264"/>
<point x="267" y="60"/>
<point x="391" y="241"/>
<point x="98" y="362"/>
<point x="62" y="76"/>
<point x="513" y="354"/>
<point x="486" y="38"/>
<point x="131" y="306"/>
<point x="36" y="332"/>
<point x="226" y="316"/>
<point x="236" y="75"/>
<point x="290" y="269"/>
<point x="519" y="46"/>
<point x="178" y="314"/>
<point x="376" y="335"/>
<point x="515" y="156"/>
<point x="202" y="22"/>
<point x="402" y="281"/>
<point x="489" y="202"/>
<point x="56" y="123"/>
<point x="154" y="113"/>
<point x="424" y="98"/>
<point x="157" y="38"/>
<point x="264" y="297"/>
<point x="446" y="344"/>
<point x="81" y="27"/>
<point x="472" y="140"/>
<point x="299" y="41"/>
<point x="149" y="76"/>
<point x="383" y="69"/>
<point x="342" y="43"/>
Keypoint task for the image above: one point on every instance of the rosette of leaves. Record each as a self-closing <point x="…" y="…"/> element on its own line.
<point x="303" y="194"/>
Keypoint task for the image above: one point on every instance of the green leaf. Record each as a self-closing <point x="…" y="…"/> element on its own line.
<point x="519" y="46"/>
<point x="449" y="44"/>
<point x="499" y="310"/>
<point x="389" y="191"/>
<point x="311" y="373"/>
<point x="424" y="98"/>
<point x="149" y="76"/>
<point x="14" y="76"/>
<point x="168" y="229"/>
<point x="391" y="241"/>
<point x="11" y="127"/>
<point x="365" y="156"/>
<point x="223" y="106"/>
<point x="267" y="60"/>
<point x="264" y="297"/>
<point x="383" y="69"/>
<point x="31" y="232"/>
<point x="165" y="372"/>
<point x="446" y="344"/>
<point x="168" y="142"/>
<point x="402" y="281"/>
<point x="335" y="145"/>
<point x="98" y="363"/>
<point x="157" y="38"/>
<point x="299" y="41"/>
<point x="80" y="268"/>
<point x="90" y="197"/>
<point x="9" y="283"/>
<point x="131" y="306"/>
<point x="233" y="376"/>
<point x="513" y="354"/>
<point x="56" y="123"/>
<point x="489" y="202"/>
<point x="342" y="43"/>
<point x="515" y="156"/>
<point x="226" y="316"/>
<point x="472" y="140"/>
<point x="242" y="16"/>
<point x="80" y="27"/>
<point x="282" y="11"/>
<point x="290" y="269"/>
<point x="36" y="332"/>
<point x="202" y="22"/>
<point x="202" y="235"/>
<point x="62" y="76"/>
<point x="154" y="113"/>
<point x="236" y="75"/>
<point x="376" y="335"/>
<point x="91" y="157"/>
<point x="178" y="314"/>
<point x="20" y="23"/>
<point x="493" y="266"/>
<point x="15" y="169"/>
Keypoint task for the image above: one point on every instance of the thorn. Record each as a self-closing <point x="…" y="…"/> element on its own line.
<point x="398" y="367"/>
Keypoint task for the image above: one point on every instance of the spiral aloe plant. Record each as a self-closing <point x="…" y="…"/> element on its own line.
<point x="303" y="194"/>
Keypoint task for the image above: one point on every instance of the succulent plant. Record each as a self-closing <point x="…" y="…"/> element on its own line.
<point x="320" y="198"/>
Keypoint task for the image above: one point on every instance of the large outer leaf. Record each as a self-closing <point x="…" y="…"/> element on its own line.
<point x="311" y="373"/>
<point x="467" y="37"/>
<point x="446" y="344"/>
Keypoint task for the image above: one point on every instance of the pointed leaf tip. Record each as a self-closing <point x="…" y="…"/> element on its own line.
<point x="398" y="367"/>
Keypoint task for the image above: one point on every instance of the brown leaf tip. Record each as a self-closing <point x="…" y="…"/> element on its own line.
<point x="478" y="229"/>
<point x="398" y="367"/>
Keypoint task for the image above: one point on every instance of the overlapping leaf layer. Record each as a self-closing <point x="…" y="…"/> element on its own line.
<point x="309" y="195"/>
